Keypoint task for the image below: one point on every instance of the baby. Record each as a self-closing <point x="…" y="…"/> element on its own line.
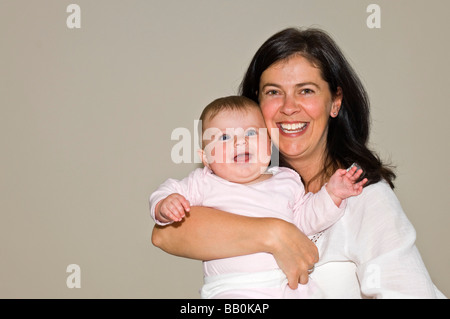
<point x="235" y="178"/>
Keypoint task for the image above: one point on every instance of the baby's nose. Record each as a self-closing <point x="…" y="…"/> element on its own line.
<point x="240" y="140"/>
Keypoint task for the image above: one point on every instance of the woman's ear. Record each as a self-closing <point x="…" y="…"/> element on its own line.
<point x="337" y="102"/>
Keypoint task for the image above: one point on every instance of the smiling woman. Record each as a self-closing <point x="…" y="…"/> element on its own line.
<point x="295" y="99"/>
<point x="302" y="78"/>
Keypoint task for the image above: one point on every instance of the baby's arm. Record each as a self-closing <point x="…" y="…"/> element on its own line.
<point x="172" y="208"/>
<point x="343" y="184"/>
<point x="316" y="212"/>
<point x="176" y="196"/>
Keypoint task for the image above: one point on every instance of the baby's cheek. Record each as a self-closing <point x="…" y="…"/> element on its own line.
<point x="218" y="154"/>
<point x="226" y="152"/>
<point x="263" y="149"/>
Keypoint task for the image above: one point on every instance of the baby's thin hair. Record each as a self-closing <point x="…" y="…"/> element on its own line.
<point x="228" y="103"/>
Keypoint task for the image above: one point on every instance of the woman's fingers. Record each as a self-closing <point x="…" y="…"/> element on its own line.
<point x="294" y="253"/>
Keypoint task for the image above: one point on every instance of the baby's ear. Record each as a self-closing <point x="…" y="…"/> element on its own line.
<point x="202" y="155"/>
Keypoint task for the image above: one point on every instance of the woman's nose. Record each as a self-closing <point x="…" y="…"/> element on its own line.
<point x="290" y="105"/>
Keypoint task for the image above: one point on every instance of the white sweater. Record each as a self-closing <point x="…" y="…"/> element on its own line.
<point x="370" y="252"/>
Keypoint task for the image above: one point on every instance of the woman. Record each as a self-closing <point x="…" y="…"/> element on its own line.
<point x="318" y="113"/>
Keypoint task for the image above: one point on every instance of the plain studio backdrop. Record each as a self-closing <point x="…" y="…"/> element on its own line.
<point x="87" y="114"/>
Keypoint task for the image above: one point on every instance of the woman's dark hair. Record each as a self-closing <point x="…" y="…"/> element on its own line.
<point x="348" y="133"/>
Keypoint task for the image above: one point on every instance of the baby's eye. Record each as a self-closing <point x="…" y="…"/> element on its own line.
<point x="224" y="137"/>
<point x="251" y="132"/>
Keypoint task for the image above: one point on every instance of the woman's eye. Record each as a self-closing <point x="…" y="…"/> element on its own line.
<point x="307" y="91"/>
<point x="224" y="137"/>
<point x="271" y="92"/>
<point x="251" y="132"/>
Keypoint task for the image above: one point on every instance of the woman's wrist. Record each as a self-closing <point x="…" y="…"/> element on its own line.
<point x="272" y="229"/>
<point x="294" y="253"/>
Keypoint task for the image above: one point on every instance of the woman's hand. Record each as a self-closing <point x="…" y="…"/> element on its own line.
<point x="293" y="251"/>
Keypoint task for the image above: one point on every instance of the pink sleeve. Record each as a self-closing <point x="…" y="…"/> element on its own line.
<point x="189" y="187"/>
<point x="316" y="212"/>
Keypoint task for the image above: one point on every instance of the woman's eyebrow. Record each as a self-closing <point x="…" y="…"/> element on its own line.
<point x="271" y="84"/>
<point x="297" y="85"/>
<point x="308" y="83"/>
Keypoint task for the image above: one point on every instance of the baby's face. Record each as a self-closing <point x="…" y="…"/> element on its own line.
<point x="237" y="145"/>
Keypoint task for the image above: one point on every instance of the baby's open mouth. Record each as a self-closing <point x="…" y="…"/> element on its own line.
<point x="242" y="158"/>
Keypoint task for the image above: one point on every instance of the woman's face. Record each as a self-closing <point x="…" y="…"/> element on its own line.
<point x="296" y="104"/>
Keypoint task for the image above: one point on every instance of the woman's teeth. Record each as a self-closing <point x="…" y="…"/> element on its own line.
<point x="292" y="128"/>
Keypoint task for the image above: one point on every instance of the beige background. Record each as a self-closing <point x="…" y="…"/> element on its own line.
<point x="87" y="114"/>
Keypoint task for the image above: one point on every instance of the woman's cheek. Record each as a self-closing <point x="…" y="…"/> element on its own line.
<point x="268" y="110"/>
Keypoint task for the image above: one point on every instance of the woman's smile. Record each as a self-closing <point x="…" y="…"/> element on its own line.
<point x="297" y="101"/>
<point x="292" y="129"/>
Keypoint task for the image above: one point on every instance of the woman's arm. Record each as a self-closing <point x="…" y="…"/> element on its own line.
<point x="207" y="234"/>
<point x="383" y="247"/>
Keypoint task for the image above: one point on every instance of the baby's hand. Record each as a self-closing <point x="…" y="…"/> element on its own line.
<point x="343" y="184"/>
<point x="172" y="208"/>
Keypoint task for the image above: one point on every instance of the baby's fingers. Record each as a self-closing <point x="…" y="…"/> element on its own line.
<point x="185" y="203"/>
<point x="179" y="211"/>
<point x="358" y="173"/>
<point x="180" y="205"/>
<point x="169" y="212"/>
<point x="362" y="183"/>
<point x="354" y="172"/>
<point x="358" y="187"/>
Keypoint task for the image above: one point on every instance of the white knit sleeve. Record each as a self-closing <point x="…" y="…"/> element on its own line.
<point x="382" y="244"/>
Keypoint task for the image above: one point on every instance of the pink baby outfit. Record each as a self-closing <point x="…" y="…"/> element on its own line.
<point x="281" y="196"/>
